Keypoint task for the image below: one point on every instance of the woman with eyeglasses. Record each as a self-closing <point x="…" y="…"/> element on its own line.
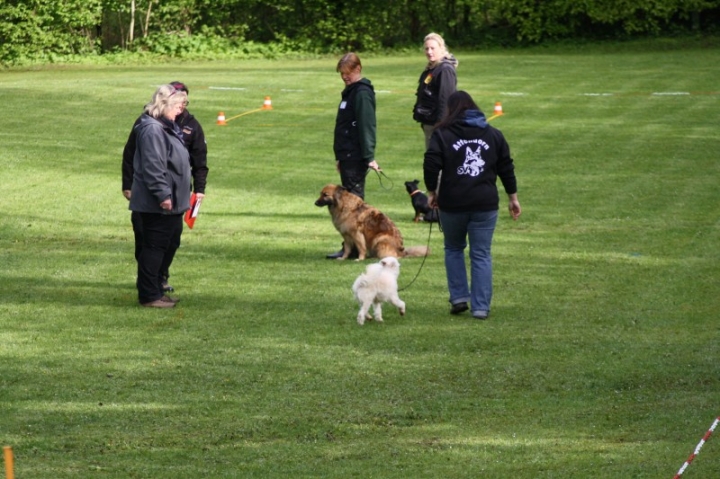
<point x="194" y="139"/>
<point x="161" y="189"/>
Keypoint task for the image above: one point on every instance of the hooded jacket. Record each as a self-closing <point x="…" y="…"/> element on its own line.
<point x="435" y="85"/>
<point x="355" y="124"/>
<point x="161" y="168"/>
<point x="471" y="155"/>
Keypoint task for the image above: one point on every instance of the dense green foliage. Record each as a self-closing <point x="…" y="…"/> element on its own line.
<point x="41" y="30"/>
<point x="599" y="360"/>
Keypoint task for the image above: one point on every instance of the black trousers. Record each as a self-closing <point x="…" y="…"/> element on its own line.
<point x="352" y="176"/>
<point x="136" y="221"/>
<point x="160" y="239"/>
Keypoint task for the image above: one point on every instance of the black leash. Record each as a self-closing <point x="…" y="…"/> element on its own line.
<point x="427" y="252"/>
<point x="381" y="172"/>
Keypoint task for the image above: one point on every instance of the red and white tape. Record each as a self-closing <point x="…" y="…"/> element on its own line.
<point x="697" y="448"/>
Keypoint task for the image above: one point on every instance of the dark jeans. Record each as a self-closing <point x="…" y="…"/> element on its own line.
<point x="352" y="176"/>
<point x="136" y="221"/>
<point x="160" y="239"/>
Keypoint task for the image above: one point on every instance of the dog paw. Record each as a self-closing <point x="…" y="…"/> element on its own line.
<point x="379" y="319"/>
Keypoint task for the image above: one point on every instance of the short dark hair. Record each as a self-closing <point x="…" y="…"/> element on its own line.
<point x="180" y="86"/>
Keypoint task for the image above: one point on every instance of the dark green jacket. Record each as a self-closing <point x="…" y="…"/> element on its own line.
<point x="355" y="125"/>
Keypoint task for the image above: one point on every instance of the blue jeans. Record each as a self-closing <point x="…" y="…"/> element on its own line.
<point x="477" y="227"/>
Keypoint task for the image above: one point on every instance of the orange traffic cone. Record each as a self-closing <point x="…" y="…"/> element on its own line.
<point x="498" y="108"/>
<point x="221" y="119"/>
<point x="267" y="104"/>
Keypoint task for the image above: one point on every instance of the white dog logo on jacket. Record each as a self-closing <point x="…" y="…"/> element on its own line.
<point x="474" y="163"/>
<point x="375" y="286"/>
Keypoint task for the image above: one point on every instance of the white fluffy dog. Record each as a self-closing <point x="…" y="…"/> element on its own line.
<point x="377" y="285"/>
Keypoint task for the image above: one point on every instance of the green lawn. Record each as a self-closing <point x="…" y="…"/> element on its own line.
<point x="600" y="358"/>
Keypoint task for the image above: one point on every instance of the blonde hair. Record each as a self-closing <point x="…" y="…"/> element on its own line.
<point x="348" y="63"/>
<point x="440" y="42"/>
<point x="164" y="98"/>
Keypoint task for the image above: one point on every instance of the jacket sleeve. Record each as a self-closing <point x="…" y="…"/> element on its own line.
<point x="152" y="148"/>
<point x="447" y="86"/>
<point x="198" y="158"/>
<point x="127" y="159"/>
<point x="366" y="123"/>
<point x="433" y="162"/>
<point x="506" y="166"/>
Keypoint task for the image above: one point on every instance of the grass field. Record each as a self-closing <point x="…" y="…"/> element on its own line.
<point x="600" y="359"/>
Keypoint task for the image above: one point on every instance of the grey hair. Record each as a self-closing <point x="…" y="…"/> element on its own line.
<point x="164" y="98"/>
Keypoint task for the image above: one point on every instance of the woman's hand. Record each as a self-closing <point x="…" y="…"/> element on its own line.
<point x="514" y="206"/>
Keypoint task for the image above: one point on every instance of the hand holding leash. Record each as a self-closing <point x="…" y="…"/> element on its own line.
<point x="432" y="200"/>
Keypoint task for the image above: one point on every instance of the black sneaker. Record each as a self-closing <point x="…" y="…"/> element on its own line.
<point x="337" y="255"/>
<point x="458" y="308"/>
<point x="167" y="288"/>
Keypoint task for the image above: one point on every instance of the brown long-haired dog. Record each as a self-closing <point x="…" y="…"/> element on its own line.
<point x="363" y="226"/>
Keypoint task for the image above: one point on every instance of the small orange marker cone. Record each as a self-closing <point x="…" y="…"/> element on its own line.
<point x="498" y="108"/>
<point x="9" y="466"/>
<point x="267" y="104"/>
<point x="221" y="119"/>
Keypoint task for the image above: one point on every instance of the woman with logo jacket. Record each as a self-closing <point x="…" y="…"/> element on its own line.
<point x="465" y="157"/>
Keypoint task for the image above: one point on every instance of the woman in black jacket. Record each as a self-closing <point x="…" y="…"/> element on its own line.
<point x="437" y="82"/>
<point x="465" y="157"/>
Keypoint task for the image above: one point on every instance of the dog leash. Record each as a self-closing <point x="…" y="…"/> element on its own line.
<point x="427" y="252"/>
<point x="378" y="173"/>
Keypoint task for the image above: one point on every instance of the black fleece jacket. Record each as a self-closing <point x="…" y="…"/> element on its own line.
<point x="471" y="155"/>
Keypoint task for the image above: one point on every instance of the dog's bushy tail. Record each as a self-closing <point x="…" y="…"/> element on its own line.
<point x="415" y="251"/>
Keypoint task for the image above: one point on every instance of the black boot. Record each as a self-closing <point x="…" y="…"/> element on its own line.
<point x="337" y="255"/>
<point x="354" y="253"/>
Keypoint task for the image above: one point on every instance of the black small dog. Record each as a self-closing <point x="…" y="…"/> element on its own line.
<point x="420" y="203"/>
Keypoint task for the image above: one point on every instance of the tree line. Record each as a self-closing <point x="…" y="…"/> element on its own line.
<point x="42" y="29"/>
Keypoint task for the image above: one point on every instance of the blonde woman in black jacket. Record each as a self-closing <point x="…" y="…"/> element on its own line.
<point x="469" y="155"/>
<point x="437" y="82"/>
